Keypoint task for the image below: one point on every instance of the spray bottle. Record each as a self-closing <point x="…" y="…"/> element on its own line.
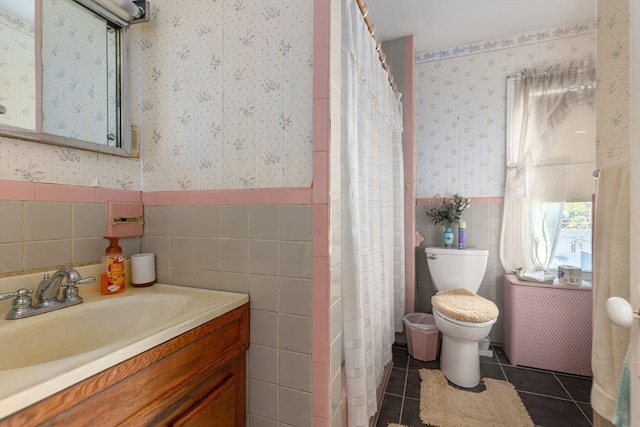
<point x="462" y="235"/>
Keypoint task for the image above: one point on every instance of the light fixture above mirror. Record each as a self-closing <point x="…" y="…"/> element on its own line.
<point x="130" y="11"/>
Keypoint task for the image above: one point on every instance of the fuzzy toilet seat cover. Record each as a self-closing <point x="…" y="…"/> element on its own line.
<point x="462" y="304"/>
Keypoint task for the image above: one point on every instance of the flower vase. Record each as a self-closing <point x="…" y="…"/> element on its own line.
<point x="448" y="237"/>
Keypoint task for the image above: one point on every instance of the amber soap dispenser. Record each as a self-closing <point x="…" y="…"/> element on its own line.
<point x="112" y="277"/>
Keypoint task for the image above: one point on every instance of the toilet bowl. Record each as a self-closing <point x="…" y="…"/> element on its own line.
<point x="461" y="333"/>
<point x="463" y="317"/>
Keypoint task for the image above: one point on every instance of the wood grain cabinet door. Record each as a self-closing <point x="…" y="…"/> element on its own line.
<point x="195" y="379"/>
<point x="216" y="408"/>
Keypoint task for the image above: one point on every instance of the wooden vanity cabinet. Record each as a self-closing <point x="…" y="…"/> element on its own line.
<point x="195" y="379"/>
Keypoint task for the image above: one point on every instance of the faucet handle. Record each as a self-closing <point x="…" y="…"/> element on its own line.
<point x="21" y="304"/>
<point x="72" y="274"/>
<point x="19" y="293"/>
<point x="71" y="291"/>
<point x="74" y="282"/>
<point x="81" y="281"/>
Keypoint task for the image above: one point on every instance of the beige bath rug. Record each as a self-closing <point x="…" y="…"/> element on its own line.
<point x="442" y="405"/>
<point x="395" y="425"/>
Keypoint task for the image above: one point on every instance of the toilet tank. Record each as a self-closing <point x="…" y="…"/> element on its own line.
<point x="455" y="268"/>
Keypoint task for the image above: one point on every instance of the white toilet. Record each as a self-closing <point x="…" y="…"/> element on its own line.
<point x="463" y="317"/>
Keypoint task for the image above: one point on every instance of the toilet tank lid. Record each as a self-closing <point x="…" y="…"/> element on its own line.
<point x="462" y="252"/>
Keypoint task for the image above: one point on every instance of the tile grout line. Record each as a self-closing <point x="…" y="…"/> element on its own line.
<point x="404" y="388"/>
<point x="572" y="398"/>
<point x="547" y="396"/>
<point x="495" y="353"/>
<point x="507" y="379"/>
<point x="585" y="415"/>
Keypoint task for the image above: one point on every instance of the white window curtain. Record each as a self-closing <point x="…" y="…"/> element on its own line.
<point x="373" y="294"/>
<point x="538" y="100"/>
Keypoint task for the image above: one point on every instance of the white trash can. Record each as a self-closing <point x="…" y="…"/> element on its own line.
<point x="422" y="336"/>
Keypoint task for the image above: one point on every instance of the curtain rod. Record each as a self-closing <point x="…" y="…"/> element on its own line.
<point x="372" y="30"/>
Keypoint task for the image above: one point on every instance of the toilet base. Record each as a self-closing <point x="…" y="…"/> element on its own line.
<point x="486" y="353"/>
<point x="460" y="361"/>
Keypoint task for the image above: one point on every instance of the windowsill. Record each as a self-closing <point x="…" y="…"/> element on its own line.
<point x="585" y="286"/>
<point x="556" y="282"/>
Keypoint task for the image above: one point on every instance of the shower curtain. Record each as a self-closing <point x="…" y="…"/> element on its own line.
<point x="373" y="293"/>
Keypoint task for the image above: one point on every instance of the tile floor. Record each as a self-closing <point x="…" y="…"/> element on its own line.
<point x="553" y="399"/>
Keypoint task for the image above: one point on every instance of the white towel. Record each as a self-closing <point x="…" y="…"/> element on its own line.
<point x="611" y="278"/>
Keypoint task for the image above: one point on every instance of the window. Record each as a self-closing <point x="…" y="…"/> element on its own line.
<point x="550" y="156"/>
<point x="575" y="140"/>
<point x="574" y="242"/>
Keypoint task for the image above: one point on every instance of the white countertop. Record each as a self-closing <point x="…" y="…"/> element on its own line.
<point x="23" y="386"/>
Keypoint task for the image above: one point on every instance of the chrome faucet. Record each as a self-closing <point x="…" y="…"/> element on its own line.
<point x="47" y="294"/>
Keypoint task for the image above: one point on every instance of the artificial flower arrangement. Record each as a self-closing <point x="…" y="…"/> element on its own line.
<point x="449" y="212"/>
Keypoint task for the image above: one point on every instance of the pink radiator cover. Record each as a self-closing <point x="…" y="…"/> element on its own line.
<point x="547" y="327"/>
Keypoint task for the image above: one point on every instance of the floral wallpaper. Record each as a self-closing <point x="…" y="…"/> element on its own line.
<point x="223" y="94"/>
<point x="77" y="100"/>
<point x="460" y="106"/>
<point x="18" y="94"/>
<point x="612" y="94"/>
<point x="34" y="162"/>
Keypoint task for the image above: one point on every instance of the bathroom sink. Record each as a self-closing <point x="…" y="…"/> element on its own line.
<point x="47" y="353"/>
<point x="87" y="327"/>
